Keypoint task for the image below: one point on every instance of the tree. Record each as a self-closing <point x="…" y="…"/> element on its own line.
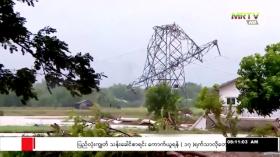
<point x="259" y="81"/>
<point x="189" y="92"/>
<point x="121" y="92"/>
<point x="52" y="58"/>
<point x="161" y="100"/>
<point x="209" y="100"/>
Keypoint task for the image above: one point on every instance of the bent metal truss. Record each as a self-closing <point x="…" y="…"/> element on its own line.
<point x="170" y="49"/>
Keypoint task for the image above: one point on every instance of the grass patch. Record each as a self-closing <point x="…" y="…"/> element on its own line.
<point x="137" y="112"/>
<point x="140" y="112"/>
<point x="36" y="111"/>
<point x="27" y="129"/>
<point x="24" y="129"/>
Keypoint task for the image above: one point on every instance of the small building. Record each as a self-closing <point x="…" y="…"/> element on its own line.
<point x="229" y="94"/>
<point x="85" y="104"/>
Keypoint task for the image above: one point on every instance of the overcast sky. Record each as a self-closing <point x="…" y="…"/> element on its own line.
<point x="116" y="32"/>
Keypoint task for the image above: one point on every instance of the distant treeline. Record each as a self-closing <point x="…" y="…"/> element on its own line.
<point x="117" y="96"/>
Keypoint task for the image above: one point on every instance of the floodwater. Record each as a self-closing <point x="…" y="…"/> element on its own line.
<point x="48" y="120"/>
<point x="62" y="120"/>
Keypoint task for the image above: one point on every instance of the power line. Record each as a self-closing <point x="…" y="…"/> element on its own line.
<point x="226" y="72"/>
<point x="219" y="69"/>
<point x="122" y="54"/>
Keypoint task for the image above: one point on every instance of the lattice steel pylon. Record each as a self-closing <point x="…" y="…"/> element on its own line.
<point x="170" y="49"/>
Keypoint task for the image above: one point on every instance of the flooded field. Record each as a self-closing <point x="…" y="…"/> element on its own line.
<point x="60" y="120"/>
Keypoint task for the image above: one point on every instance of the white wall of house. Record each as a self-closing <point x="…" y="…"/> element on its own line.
<point x="229" y="91"/>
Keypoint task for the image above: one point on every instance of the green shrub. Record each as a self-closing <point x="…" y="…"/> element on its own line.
<point x="265" y="130"/>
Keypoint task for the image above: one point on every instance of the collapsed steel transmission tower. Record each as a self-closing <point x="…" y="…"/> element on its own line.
<point x="168" y="51"/>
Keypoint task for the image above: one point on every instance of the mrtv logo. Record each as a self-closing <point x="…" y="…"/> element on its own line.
<point x="250" y="17"/>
